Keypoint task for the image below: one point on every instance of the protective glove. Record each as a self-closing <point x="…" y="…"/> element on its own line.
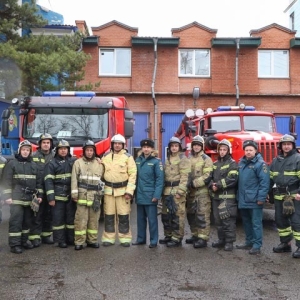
<point x="288" y="205"/>
<point x="223" y="210"/>
<point x="97" y="203"/>
<point x="35" y="204"/>
<point x="171" y="205"/>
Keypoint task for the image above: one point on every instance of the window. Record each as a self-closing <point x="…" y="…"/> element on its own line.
<point x="273" y="63"/>
<point x="115" y="62"/>
<point x="73" y="124"/>
<point x="194" y="62"/>
<point x="226" y="123"/>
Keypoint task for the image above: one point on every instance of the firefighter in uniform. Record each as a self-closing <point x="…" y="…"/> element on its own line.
<point x="198" y="199"/>
<point x="285" y="181"/>
<point x="21" y="182"/>
<point x="222" y="183"/>
<point x="120" y="177"/>
<point x="58" y="189"/>
<point x="177" y="168"/>
<point x="2" y="165"/>
<point x="86" y="191"/>
<point x="41" y="228"/>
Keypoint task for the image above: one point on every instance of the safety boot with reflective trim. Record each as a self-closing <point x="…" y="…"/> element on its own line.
<point x="296" y="254"/>
<point x="16" y="249"/>
<point x="218" y="244"/>
<point x="200" y="243"/>
<point x="174" y="243"/>
<point x="191" y="240"/>
<point x="27" y="245"/>
<point x="282" y="247"/>
<point x="165" y="240"/>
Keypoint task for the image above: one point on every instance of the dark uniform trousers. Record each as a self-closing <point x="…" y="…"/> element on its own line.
<point x="288" y="226"/>
<point x="42" y="222"/>
<point x="19" y="223"/>
<point x="226" y="228"/>
<point x="63" y="213"/>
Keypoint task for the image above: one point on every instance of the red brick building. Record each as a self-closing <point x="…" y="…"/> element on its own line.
<point x="262" y="70"/>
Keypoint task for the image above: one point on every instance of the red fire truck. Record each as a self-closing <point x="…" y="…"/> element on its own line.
<point x="234" y="123"/>
<point x="72" y="116"/>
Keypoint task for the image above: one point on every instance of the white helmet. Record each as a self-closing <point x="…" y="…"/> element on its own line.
<point x="118" y="138"/>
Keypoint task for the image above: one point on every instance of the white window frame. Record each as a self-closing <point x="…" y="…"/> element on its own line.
<point x="273" y="65"/>
<point x="112" y="62"/>
<point x="193" y="63"/>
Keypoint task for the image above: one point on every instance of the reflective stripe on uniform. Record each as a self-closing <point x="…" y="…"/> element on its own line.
<point x="285" y="232"/>
<point x="15" y="233"/>
<point x="80" y="232"/>
<point x="59" y="227"/>
<point x="20" y="202"/>
<point x="85" y="202"/>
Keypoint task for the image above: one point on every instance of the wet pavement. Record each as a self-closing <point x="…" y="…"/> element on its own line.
<point x="139" y="272"/>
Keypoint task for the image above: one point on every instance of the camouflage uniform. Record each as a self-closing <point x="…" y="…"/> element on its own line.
<point x="198" y="199"/>
<point x="177" y="169"/>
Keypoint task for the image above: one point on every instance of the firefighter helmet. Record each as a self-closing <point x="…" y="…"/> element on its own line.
<point x="287" y="138"/>
<point x="197" y="140"/>
<point x="225" y="142"/>
<point x="88" y="143"/>
<point x="63" y="143"/>
<point x="173" y="140"/>
<point x="118" y="138"/>
<point x="24" y="143"/>
<point x="46" y="136"/>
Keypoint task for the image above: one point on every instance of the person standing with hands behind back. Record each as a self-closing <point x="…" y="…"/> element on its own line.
<point x="253" y="188"/>
<point x="149" y="187"/>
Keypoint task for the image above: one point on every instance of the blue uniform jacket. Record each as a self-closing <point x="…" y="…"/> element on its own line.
<point x="253" y="182"/>
<point x="150" y="179"/>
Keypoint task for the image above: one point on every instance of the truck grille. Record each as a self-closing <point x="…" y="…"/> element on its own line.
<point x="268" y="150"/>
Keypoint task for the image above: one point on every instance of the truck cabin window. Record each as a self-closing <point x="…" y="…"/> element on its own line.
<point x="258" y="123"/>
<point x="67" y="123"/>
<point x="226" y="123"/>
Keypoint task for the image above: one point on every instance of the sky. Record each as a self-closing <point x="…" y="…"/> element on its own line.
<point x="156" y="18"/>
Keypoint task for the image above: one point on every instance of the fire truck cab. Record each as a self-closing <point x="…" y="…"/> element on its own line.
<point x="72" y="116"/>
<point x="234" y="123"/>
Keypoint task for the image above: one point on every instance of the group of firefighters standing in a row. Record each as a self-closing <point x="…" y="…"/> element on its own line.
<point x="52" y="192"/>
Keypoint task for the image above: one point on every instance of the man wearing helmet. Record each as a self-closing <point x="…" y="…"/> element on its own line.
<point x="21" y="182"/>
<point x="120" y="177"/>
<point x="41" y="228"/>
<point x="285" y="181"/>
<point x="58" y="189"/>
<point x="222" y="183"/>
<point x="198" y="200"/>
<point x="177" y="168"/>
<point x="86" y="189"/>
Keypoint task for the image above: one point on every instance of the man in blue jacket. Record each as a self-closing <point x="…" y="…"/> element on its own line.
<point x="253" y="188"/>
<point x="149" y="187"/>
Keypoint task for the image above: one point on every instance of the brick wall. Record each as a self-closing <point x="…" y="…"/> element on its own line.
<point x="174" y="93"/>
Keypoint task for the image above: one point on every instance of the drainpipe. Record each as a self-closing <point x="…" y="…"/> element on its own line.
<point x="237" y="71"/>
<point x="153" y="92"/>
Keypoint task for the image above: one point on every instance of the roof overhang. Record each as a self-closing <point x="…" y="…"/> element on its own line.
<point x="232" y="42"/>
<point x="295" y="43"/>
<point x="90" y="40"/>
<point x="149" y="41"/>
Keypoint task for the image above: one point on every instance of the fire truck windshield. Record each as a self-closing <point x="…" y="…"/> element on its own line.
<point x="67" y="123"/>
<point x="239" y="123"/>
